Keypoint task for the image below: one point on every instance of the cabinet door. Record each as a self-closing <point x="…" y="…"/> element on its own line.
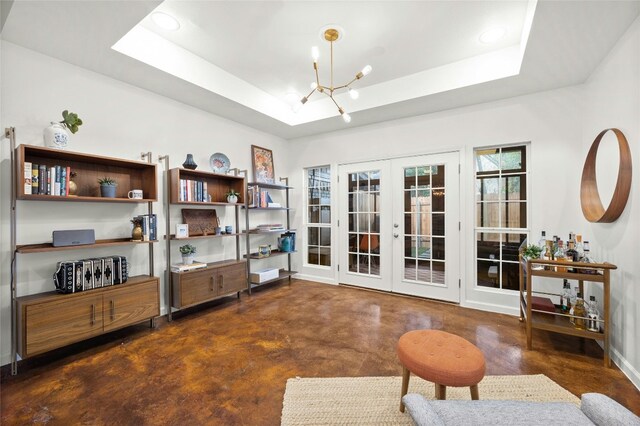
<point x="129" y="304"/>
<point x="194" y="287"/>
<point x="232" y="279"/>
<point x="52" y="324"/>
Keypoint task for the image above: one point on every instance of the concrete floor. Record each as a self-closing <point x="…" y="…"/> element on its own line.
<point x="228" y="363"/>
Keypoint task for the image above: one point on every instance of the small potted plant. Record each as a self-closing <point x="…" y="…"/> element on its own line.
<point x="232" y="196"/>
<point x="107" y="187"/>
<point x="187" y="251"/>
<point x="532" y="252"/>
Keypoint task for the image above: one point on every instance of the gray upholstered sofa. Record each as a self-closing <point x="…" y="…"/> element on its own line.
<point x="595" y="409"/>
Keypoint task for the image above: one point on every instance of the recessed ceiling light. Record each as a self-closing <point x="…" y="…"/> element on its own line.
<point x="164" y="21"/>
<point x="492" y="35"/>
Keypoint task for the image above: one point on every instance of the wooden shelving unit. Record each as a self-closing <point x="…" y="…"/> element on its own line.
<point x="250" y="210"/>
<point x="128" y="174"/>
<point x="81" y="315"/>
<point x="219" y="279"/>
<point x="559" y="322"/>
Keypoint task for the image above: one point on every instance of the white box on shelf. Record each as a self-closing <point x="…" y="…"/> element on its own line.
<point x="263" y="275"/>
<point x="182" y="230"/>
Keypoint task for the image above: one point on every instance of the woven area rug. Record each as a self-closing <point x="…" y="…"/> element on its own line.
<point x="375" y="400"/>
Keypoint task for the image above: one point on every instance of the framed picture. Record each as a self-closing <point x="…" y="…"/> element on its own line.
<point x="182" y="230"/>
<point x="262" y="161"/>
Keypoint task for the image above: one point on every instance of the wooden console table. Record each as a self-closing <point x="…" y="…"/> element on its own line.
<point x="559" y="322"/>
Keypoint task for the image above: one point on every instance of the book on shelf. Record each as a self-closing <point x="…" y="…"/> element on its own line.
<point x="274" y="205"/>
<point x="193" y="191"/>
<point x="46" y="180"/>
<point x="27" y="177"/>
<point x="149" y="224"/>
<point x="181" y="267"/>
<point x="270" y="227"/>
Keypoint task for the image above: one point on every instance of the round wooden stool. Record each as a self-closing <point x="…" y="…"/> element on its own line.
<point x="442" y="358"/>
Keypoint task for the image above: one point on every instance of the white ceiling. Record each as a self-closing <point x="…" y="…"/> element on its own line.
<point x="239" y="59"/>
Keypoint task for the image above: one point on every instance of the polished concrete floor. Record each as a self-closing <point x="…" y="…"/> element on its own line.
<point x="228" y="363"/>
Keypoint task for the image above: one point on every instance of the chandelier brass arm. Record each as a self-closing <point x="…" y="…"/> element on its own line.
<point x="331" y="35"/>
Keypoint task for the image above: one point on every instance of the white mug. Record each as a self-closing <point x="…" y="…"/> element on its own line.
<point x="136" y="194"/>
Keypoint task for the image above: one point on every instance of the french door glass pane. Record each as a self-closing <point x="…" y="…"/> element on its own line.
<point x="364" y="222"/>
<point x="487" y="273"/>
<point x="421" y="223"/>
<point x="437" y="274"/>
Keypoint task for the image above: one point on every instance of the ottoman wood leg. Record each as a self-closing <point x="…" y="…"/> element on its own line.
<point x="441" y="391"/>
<point x="474" y="393"/>
<point x="405" y="385"/>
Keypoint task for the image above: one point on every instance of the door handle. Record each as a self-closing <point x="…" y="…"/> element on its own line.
<point x="113" y="310"/>
<point x="212" y="283"/>
<point x="93" y="314"/>
<point x="220" y="285"/>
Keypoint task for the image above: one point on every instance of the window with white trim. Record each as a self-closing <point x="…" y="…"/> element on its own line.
<point x="501" y="214"/>
<point x="318" y="190"/>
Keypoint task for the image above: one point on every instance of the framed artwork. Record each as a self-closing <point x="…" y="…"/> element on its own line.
<point x="262" y="161"/>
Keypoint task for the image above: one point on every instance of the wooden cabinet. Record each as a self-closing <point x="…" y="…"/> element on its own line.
<point x="50" y="320"/>
<point x="49" y="323"/>
<point x="125" y="305"/>
<point x="217" y="280"/>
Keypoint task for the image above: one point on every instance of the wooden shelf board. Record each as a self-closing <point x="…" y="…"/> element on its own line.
<point x="211" y="175"/>
<point x="269" y="208"/>
<point x="207" y="203"/>
<point x="273" y="253"/>
<point x="282" y="275"/>
<point x="49" y="295"/>
<point x="74" y="198"/>
<point x="58" y="154"/>
<point x="254" y="232"/>
<point x="46" y="247"/>
<point x="199" y="237"/>
<point x="598" y="278"/>
<point x="269" y="185"/>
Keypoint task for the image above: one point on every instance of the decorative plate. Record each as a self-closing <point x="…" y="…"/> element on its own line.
<point x="219" y="163"/>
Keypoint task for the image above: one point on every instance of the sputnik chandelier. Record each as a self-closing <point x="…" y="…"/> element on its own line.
<point x="331" y="35"/>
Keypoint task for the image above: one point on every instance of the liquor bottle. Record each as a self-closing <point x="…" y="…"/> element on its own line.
<point x="579" y="312"/>
<point x="560" y="256"/>
<point x="593" y="315"/>
<point x="548" y="254"/>
<point x="565" y="299"/>
<point x="555" y="243"/>
<point x="573" y="298"/>
<point x="572" y="254"/>
<point x="542" y="242"/>
<point x="587" y="259"/>
<point x="579" y="247"/>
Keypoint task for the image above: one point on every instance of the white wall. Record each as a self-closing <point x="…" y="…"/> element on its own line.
<point x="612" y="96"/>
<point x="121" y="121"/>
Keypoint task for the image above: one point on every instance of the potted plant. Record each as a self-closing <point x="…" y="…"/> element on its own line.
<point x="232" y="196"/>
<point x="56" y="135"/>
<point x="187" y="251"/>
<point x="532" y="252"/>
<point x="107" y="187"/>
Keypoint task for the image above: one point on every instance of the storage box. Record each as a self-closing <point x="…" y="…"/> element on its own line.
<point x="542" y="304"/>
<point x="263" y="275"/>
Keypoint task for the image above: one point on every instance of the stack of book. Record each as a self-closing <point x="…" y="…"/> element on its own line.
<point x="181" y="267"/>
<point x="270" y="227"/>
<point x="46" y="180"/>
<point x="193" y="191"/>
<point x="149" y="226"/>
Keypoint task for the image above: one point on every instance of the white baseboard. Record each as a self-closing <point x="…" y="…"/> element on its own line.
<point x="626" y="367"/>
<point x="489" y="307"/>
<point x="323" y="280"/>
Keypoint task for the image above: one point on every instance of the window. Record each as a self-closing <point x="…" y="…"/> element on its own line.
<point x="319" y="216"/>
<point x="501" y="214"/>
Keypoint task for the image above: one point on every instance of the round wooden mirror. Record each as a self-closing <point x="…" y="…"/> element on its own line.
<point x="590" y="198"/>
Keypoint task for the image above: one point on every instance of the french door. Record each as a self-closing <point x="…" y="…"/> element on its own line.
<point x="399" y="225"/>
